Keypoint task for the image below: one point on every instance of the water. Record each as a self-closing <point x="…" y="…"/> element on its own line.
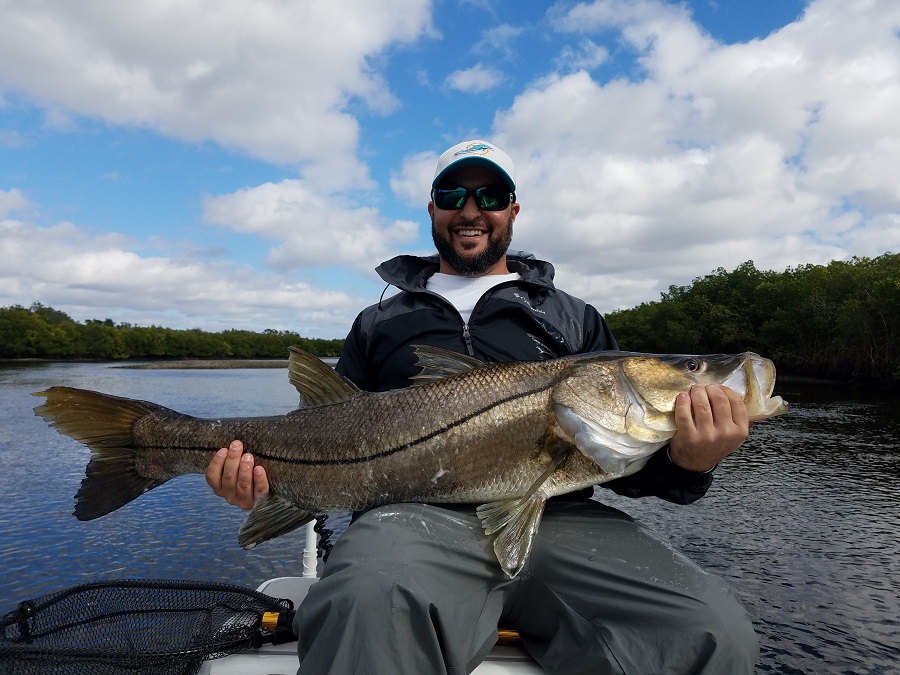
<point x="803" y="521"/>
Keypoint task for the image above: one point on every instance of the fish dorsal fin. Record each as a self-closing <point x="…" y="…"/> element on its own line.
<point x="437" y="363"/>
<point x="316" y="381"/>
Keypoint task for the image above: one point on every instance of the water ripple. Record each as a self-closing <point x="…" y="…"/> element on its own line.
<point x="803" y="521"/>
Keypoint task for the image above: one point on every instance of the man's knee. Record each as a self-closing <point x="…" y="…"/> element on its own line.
<point x="722" y="633"/>
<point x="739" y="638"/>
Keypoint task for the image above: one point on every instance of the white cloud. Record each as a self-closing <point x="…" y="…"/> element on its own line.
<point x="11" y="139"/>
<point x="413" y="180"/>
<point x="272" y="79"/>
<point x="782" y="150"/>
<point x="91" y="276"/>
<point x="697" y="155"/>
<point x="310" y="229"/>
<point x="587" y="55"/>
<point x="499" y="39"/>
<point x="474" y="80"/>
<point x="12" y="201"/>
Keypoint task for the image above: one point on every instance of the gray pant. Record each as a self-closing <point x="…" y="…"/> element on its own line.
<point x="415" y="589"/>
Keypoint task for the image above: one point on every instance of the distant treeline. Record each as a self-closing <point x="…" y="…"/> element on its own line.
<point x="46" y="333"/>
<point x="840" y="320"/>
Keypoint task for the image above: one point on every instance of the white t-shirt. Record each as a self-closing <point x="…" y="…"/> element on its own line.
<point x="464" y="292"/>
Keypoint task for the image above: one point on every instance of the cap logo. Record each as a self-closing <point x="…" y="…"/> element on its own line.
<point x="475" y="149"/>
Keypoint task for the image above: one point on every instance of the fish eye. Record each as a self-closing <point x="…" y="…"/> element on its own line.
<point x="692" y="365"/>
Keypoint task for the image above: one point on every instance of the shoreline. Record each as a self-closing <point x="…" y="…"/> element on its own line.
<point x="235" y="364"/>
<point x="207" y="364"/>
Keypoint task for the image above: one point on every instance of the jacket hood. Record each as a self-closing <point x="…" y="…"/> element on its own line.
<point x="410" y="272"/>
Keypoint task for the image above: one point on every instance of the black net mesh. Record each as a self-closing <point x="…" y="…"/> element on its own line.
<point x="134" y="626"/>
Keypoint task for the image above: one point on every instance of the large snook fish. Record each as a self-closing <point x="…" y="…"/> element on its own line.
<point x="504" y="435"/>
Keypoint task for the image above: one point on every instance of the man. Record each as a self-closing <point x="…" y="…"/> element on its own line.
<point x="414" y="588"/>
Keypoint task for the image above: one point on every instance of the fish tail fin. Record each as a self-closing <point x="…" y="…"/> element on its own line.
<point x="103" y="423"/>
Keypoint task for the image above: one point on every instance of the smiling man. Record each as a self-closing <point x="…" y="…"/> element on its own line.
<point x="471" y="240"/>
<point x="415" y="588"/>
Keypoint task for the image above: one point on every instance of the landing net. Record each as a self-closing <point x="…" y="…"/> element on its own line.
<point x="138" y="626"/>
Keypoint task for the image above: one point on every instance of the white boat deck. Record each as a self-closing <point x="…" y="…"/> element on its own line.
<point x="282" y="659"/>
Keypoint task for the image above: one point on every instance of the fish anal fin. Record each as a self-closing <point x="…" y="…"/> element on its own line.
<point x="437" y="363"/>
<point x="517" y="521"/>
<point x="316" y="381"/>
<point x="271" y="517"/>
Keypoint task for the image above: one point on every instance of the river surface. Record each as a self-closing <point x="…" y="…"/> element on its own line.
<point x="804" y="522"/>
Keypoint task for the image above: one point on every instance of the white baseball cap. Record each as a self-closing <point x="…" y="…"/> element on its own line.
<point x="476" y="153"/>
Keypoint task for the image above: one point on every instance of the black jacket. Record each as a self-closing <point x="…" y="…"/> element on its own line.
<point x="525" y="320"/>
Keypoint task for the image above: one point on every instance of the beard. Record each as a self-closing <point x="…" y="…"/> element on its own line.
<point x="479" y="263"/>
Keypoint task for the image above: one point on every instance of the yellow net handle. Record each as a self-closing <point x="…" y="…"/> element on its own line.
<point x="505" y="636"/>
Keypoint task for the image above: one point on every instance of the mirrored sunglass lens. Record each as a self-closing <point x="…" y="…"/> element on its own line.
<point x="450" y="199"/>
<point x="491" y="198"/>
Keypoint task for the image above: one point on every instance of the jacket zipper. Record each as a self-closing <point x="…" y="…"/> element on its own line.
<point x="468" y="340"/>
<point x="467" y="337"/>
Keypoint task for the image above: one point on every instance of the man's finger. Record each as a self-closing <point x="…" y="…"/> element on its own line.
<point x="684" y="418"/>
<point x="214" y="470"/>
<point x="231" y="466"/>
<point x="738" y="407"/>
<point x="243" y="491"/>
<point x="260" y="482"/>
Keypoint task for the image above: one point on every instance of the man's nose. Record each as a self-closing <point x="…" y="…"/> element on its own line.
<point x="470" y="208"/>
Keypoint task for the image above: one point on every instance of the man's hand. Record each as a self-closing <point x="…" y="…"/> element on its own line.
<point x="711" y="422"/>
<point x="232" y="475"/>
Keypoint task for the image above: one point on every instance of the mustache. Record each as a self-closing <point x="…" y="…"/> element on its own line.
<point x="460" y="222"/>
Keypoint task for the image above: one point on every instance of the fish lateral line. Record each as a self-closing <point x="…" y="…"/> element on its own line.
<point x="299" y="461"/>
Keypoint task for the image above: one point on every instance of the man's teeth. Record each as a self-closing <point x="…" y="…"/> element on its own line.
<point x="468" y="233"/>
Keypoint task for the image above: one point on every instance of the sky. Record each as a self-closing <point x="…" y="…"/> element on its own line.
<point x="232" y="165"/>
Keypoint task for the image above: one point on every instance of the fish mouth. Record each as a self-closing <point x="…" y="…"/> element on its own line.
<point x="754" y="379"/>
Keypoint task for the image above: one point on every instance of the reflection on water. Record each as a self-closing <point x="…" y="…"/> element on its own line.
<point x="803" y="521"/>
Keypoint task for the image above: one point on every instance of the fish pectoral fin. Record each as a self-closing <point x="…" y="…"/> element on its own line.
<point x="272" y="517"/>
<point x="437" y="363"/>
<point x="316" y="381"/>
<point x="517" y="521"/>
<point x="617" y="453"/>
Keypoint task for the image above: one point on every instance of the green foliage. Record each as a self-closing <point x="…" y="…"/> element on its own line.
<point x="840" y="320"/>
<point x="45" y="333"/>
